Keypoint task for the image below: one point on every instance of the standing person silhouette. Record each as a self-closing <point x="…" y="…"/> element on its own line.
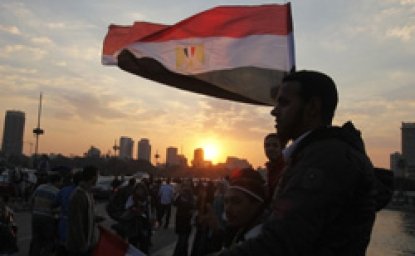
<point x="83" y="233"/>
<point x="273" y="147"/>
<point x="166" y="194"/>
<point x="324" y="203"/>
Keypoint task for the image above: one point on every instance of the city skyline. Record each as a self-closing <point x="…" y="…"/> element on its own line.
<point x="55" y="48"/>
<point x="125" y="148"/>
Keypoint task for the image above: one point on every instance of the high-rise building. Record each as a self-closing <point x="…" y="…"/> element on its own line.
<point x="13" y="131"/>
<point x="396" y="164"/>
<point x="182" y="160"/>
<point x="408" y="144"/>
<point x="172" y="157"/>
<point x="198" y="158"/>
<point x="144" y="150"/>
<point x="126" y="148"/>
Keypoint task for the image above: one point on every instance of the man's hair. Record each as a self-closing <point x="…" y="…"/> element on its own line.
<point x="89" y="172"/>
<point x="316" y="84"/>
<point x="271" y="135"/>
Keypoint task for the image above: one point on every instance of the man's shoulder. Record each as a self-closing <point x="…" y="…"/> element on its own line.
<point x="47" y="188"/>
<point x="333" y="141"/>
<point x="334" y="152"/>
<point x="79" y="193"/>
<point x="334" y="160"/>
<point x="166" y="187"/>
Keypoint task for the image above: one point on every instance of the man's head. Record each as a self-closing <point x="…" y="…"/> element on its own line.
<point x="77" y="177"/>
<point x="132" y="182"/>
<point x="90" y="175"/>
<point x="244" y="197"/>
<point x="306" y="100"/>
<point x="55" y="179"/>
<point x="272" y="146"/>
<point x="140" y="192"/>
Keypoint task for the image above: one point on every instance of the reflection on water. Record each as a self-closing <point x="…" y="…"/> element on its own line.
<point x="393" y="234"/>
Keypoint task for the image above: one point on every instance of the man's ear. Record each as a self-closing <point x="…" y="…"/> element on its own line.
<point x="314" y="109"/>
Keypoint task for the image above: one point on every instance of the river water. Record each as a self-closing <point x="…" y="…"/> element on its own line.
<point x="393" y="234"/>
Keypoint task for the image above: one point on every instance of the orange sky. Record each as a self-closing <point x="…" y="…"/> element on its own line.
<point x="55" y="48"/>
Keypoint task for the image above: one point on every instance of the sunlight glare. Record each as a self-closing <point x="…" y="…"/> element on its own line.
<point x="211" y="152"/>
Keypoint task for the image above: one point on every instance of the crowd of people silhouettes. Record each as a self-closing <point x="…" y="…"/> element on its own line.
<point x="319" y="197"/>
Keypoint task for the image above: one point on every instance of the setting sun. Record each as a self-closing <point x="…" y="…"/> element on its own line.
<point x="211" y="151"/>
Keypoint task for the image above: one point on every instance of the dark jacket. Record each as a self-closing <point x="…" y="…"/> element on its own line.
<point x="8" y="230"/>
<point x="82" y="229"/>
<point x="185" y="205"/>
<point x="325" y="202"/>
<point x="274" y="173"/>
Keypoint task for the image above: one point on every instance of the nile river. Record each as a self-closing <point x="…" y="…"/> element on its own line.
<point x="393" y="234"/>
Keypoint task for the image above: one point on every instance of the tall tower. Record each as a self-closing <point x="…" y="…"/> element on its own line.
<point x="198" y="158"/>
<point x="144" y="150"/>
<point x="38" y="131"/>
<point x="13" y="131"/>
<point x="157" y="157"/>
<point x="396" y="164"/>
<point x="408" y="146"/>
<point x="171" y="156"/>
<point x="126" y="148"/>
<point x="115" y="148"/>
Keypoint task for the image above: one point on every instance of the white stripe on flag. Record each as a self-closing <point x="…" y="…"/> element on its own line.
<point x="132" y="251"/>
<point x="262" y="51"/>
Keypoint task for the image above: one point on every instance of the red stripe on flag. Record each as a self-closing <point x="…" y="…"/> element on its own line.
<point x="230" y="21"/>
<point x="225" y="21"/>
<point x="120" y="36"/>
<point x="110" y="244"/>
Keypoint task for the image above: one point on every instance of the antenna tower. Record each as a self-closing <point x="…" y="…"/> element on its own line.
<point x="38" y="131"/>
<point x="115" y="147"/>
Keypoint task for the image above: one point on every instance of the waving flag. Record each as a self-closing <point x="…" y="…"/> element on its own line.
<point x="111" y="244"/>
<point x="231" y="52"/>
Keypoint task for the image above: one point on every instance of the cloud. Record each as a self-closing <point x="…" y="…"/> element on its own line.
<point x="73" y="25"/>
<point x="55" y="25"/>
<point x="407" y="2"/>
<point x="236" y="120"/>
<point x="22" y="71"/>
<point x="83" y="53"/>
<point x="404" y="33"/>
<point x="135" y="16"/>
<point x="18" y="51"/>
<point x="89" y="107"/>
<point x="376" y="20"/>
<point x="61" y="64"/>
<point x="10" y="29"/>
<point x="44" y="41"/>
<point x="19" y="10"/>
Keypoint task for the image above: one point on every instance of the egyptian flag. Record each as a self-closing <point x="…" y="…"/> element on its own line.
<point x="111" y="244"/>
<point x="237" y="53"/>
